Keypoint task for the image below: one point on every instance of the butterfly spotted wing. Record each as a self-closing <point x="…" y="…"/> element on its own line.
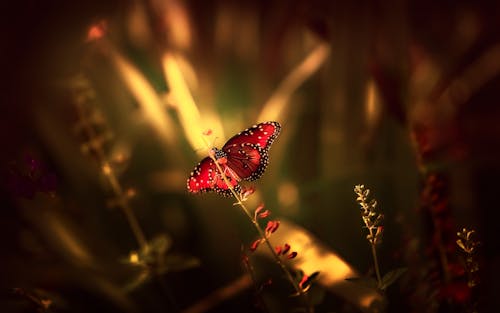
<point x="245" y="157"/>
<point x="206" y="177"/>
<point x="248" y="152"/>
<point x="262" y="135"/>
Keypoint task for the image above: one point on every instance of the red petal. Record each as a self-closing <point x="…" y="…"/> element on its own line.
<point x="255" y="244"/>
<point x="278" y="250"/>
<point x="271" y="227"/>
<point x="303" y="280"/>
<point x="286" y="248"/>
<point x="264" y="214"/>
<point x="276" y="225"/>
<point x="246" y="192"/>
<point x="258" y="209"/>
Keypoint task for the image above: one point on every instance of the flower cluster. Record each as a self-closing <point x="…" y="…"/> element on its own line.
<point x="371" y="218"/>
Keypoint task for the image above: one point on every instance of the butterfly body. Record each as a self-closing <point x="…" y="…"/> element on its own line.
<point x="244" y="157"/>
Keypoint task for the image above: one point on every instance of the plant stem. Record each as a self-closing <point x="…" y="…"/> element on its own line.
<point x="127" y="210"/>
<point x="375" y="264"/>
<point x="374" y="252"/>
<point x="107" y="170"/>
<point x="262" y="235"/>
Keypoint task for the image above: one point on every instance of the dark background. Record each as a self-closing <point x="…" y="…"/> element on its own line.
<point x="427" y="146"/>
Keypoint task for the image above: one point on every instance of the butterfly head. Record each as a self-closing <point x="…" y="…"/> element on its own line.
<point x="219" y="155"/>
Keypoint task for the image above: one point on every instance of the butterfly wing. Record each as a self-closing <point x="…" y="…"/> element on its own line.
<point x="205" y="178"/>
<point x="247" y="152"/>
<point x="262" y="135"/>
<point x="248" y="161"/>
<point x="247" y="158"/>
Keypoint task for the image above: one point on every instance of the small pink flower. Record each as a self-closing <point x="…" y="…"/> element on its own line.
<point x="292" y="255"/>
<point x="278" y="250"/>
<point x="264" y="214"/>
<point x="304" y="279"/>
<point x="255" y="244"/>
<point x="258" y="210"/>
<point x="286" y="249"/>
<point x="271" y="227"/>
<point x="246" y="192"/>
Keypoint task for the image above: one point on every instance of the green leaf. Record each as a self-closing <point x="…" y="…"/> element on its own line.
<point x="369" y="282"/>
<point x="390" y="277"/>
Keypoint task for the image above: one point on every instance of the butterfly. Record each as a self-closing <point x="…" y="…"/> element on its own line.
<point x="244" y="157"/>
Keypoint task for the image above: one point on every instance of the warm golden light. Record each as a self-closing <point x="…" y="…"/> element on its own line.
<point x="138" y="25"/>
<point x="274" y="108"/>
<point x="372" y="104"/>
<point x="314" y="256"/>
<point x="106" y="169"/>
<point x="149" y="102"/>
<point x="176" y="20"/>
<point x="183" y="102"/>
<point x="134" y="258"/>
<point x="288" y="197"/>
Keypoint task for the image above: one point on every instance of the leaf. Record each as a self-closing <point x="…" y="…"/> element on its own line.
<point x="369" y="282"/>
<point x="390" y="277"/>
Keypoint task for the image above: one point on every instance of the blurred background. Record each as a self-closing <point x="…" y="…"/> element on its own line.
<point x="103" y="104"/>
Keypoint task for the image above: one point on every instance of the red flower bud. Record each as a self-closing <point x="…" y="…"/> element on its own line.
<point x="278" y="250"/>
<point x="271" y="227"/>
<point x="257" y="210"/>
<point x="246" y="192"/>
<point x="264" y="214"/>
<point x="286" y="248"/>
<point x="255" y="244"/>
<point x="303" y="280"/>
